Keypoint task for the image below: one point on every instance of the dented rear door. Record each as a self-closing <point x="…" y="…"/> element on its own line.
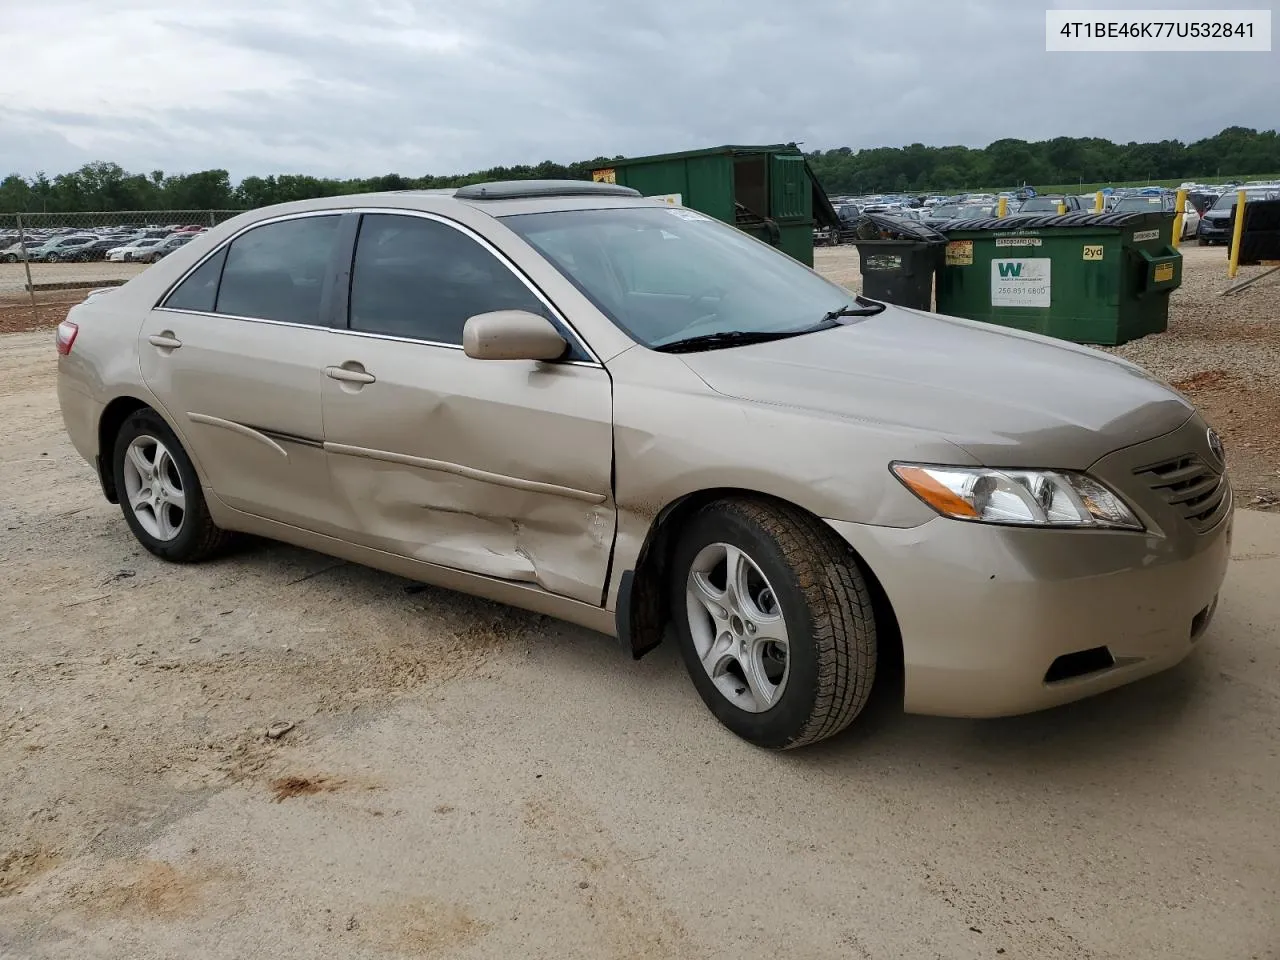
<point x="500" y="468"/>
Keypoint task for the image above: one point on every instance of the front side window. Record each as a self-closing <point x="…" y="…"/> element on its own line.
<point x="276" y="271"/>
<point x="422" y="279"/>
<point x="665" y="274"/>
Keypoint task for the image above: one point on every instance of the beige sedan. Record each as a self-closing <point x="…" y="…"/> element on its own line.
<point x="568" y="398"/>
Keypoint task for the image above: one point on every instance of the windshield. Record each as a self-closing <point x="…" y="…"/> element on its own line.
<point x="1041" y="205"/>
<point x="1228" y="200"/>
<point x="665" y="274"/>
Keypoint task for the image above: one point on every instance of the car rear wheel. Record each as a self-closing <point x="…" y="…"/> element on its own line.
<point x="160" y="493"/>
<point x="775" y="622"/>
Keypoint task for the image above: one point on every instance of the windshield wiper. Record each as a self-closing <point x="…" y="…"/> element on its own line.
<point x="730" y="338"/>
<point x="864" y="308"/>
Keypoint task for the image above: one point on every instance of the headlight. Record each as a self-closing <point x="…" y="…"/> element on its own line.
<point x="1047" y="498"/>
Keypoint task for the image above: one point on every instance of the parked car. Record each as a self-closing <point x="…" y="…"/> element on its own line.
<point x="1202" y="200"/>
<point x="944" y="212"/>
<point x="163" y="248"/>
<point x="59" y="248"/>
<point x="14" y="252"/>
<point x="96" y="249"/>
<point x="1042" y="204"/>
<point x="134" y="250"/>
<point x="1163" y="203"/>
<point x="557" y="395"/>
<point x="848" y="215"/>
<point x="1219" y="221"/>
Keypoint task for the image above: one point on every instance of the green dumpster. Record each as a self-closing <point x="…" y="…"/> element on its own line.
<point x="768" y="191"/>
<point x="1100" y="278"/>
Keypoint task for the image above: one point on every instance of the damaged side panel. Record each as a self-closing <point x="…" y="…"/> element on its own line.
<point x="501" y="468"/>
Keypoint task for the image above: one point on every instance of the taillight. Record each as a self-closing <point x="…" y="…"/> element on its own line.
<point x="66" y="336"/>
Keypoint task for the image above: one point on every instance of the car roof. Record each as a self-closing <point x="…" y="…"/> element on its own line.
<point x="498" y="199"/>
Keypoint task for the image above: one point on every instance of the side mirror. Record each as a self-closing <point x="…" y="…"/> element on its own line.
<point x="512" y="335"/>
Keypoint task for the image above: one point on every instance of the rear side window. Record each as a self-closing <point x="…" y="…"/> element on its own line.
<point x="421" y="279"/>
<point x="200" y="290"/>
<point x="277" y="271"/>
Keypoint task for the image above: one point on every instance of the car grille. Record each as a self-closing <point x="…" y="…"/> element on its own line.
<point x="1192" y="487"/>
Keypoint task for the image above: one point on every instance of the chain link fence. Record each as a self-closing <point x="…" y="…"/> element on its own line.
<point x="41" y="252"/>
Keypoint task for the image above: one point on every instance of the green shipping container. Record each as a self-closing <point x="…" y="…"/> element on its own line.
<point x="768" y="191"/>
<point x="1084" y="277"/>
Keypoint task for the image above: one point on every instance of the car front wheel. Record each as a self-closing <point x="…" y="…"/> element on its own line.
<point x="160" y="493"/>
<point x="775" y="622"/>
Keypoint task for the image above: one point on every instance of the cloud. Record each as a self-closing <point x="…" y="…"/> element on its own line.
<point x="444" y="86"/>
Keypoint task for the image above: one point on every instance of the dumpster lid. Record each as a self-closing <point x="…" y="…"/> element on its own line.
<point x="1077" y="219"/>
<point x="530" y="189"/>
<point x="824" y="212"/>
<point x="880" y="226"/>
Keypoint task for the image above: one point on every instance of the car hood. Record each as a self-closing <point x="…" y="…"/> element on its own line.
<point x="1006" y="397"/>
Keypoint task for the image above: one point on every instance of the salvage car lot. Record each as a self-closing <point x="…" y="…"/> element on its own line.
<point x="466" y="780"/>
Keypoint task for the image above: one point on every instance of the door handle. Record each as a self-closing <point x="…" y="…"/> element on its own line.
<point x="166" y="340"/>
<point x="350" y="374"/>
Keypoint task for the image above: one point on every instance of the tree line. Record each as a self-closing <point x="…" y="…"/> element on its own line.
<point x="1062" y="160"/>
<point x="106" y="186"/>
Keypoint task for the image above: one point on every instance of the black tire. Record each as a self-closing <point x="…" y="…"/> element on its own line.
<point x="824" y="601"/>
<point x="198" y="537"/>
<point x="10" y="258"/>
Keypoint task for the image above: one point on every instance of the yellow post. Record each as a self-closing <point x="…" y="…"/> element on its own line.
<point x="1180" y="209"/>
<point x="1098" y="202"/>
<point x="1003" y="207"/>
<point x="1062" y="208"/>
<point x="1235" y="236"/>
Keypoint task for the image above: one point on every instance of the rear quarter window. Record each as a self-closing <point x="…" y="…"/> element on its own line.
<point x="199" y="291"/>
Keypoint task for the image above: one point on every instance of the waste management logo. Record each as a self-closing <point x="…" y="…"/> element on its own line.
<point x="1021" y="283"/>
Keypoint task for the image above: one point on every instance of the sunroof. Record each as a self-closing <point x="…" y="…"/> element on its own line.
<point x="518" y="189"/>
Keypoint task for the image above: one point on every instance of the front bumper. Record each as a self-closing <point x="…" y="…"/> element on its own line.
<point x="1214" y="230"/>
<point x="986" y="612"/>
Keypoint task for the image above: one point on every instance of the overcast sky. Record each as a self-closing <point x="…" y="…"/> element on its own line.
<point x="364" y="87"/>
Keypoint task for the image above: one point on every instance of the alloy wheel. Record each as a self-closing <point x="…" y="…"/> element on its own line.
<point x="153" y="488"/>
<point x="737" y="627"/>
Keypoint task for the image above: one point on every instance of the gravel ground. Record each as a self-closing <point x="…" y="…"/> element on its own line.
<point x="466" y="781"/>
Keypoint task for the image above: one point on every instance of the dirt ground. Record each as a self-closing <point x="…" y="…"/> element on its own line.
<point x="13" y="276"/>
<point x="276" y="752"/>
